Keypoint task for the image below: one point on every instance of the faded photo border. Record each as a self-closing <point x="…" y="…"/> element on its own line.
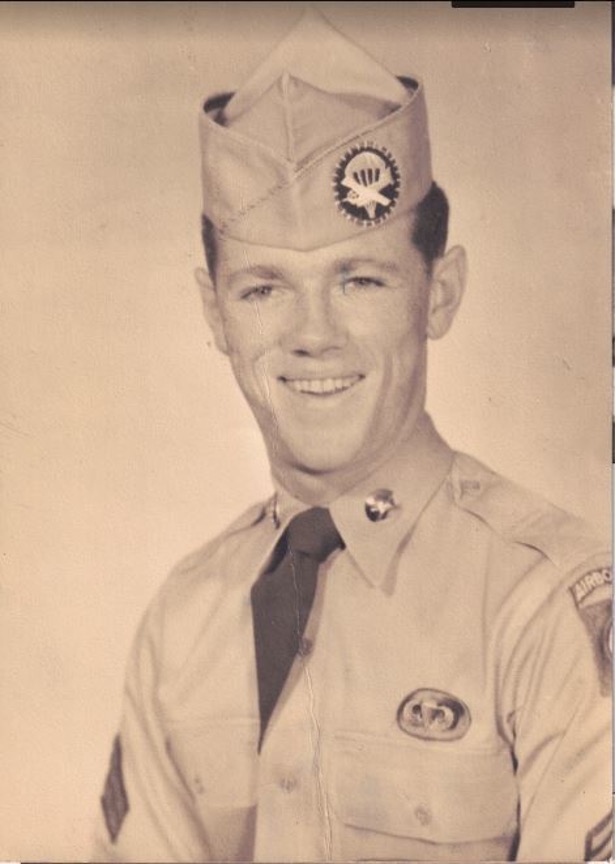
<point x="124" y="442"/>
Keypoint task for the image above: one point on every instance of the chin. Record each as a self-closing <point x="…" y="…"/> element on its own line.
<point x="323" y="457"/>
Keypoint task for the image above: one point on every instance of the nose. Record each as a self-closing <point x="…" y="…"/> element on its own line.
<point x="316" y="326"/>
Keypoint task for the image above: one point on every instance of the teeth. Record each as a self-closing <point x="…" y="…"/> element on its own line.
<point x="322" y="385"/>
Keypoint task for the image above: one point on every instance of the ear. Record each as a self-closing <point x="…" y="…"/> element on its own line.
<point x="211" y="308"/>
<point x="446" y="290"/>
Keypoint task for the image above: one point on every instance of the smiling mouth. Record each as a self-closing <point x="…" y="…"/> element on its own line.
<point x="322" y="386"/>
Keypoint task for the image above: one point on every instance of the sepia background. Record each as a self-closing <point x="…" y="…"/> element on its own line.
<point x="123" y="442"/>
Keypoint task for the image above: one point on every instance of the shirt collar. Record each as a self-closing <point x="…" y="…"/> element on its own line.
<point x="413" y="475"/>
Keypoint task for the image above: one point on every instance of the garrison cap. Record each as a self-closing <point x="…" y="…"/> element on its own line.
<point x="320" y="144"/>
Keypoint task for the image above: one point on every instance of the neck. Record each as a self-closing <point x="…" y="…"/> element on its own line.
<point x="320" y="489"/>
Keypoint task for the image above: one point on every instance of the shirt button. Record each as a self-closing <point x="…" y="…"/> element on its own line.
<point x="423" y="815"/>
<point x="470" y="487"/>
<point x="305" y="647"/>
<point x="288" y="783"/>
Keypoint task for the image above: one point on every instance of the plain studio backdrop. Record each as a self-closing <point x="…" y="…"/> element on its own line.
<point x="124" y="441"/>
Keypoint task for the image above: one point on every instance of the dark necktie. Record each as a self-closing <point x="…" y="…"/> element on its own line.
<point x="282" y="598"/>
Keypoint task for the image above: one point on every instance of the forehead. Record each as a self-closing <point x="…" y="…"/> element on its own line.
<point x="388" y="247"/>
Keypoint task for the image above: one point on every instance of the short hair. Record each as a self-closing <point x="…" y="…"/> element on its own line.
<point x="429" y="235"/>
<point x="431" y="226"/>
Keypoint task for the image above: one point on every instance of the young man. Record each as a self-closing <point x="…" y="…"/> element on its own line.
<point x="401" y="655"/>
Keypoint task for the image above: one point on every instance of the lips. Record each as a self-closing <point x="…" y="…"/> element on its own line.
<point x="322" y="386"/>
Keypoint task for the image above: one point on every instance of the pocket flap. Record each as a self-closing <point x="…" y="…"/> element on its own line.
<point x="412" y="789"/>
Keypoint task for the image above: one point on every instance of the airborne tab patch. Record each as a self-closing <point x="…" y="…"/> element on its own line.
<point x="590" y="582"/>
<point x="115" y="799"/>
<point x="592" y="594"/>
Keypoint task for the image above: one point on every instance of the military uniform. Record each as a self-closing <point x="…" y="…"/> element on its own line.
<point x="451" y="701"/>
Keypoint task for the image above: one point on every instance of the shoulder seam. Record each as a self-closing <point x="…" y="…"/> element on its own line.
<point x="202" y="554"/>
<point x="537" y="520"/>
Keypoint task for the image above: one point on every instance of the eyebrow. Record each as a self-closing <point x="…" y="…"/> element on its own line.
<point x="259" y="270"/>
<point x="341" y="266"/>
<point x="350" y="264"/>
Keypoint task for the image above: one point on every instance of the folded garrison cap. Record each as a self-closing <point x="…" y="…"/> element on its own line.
<point x="322" y="143"/>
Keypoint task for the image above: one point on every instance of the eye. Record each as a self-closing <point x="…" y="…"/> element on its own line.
<point x="257" y="292"/>
<point x="361" y="283"/>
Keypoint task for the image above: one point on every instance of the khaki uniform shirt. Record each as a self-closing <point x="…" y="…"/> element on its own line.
<point x="451" y="701"/>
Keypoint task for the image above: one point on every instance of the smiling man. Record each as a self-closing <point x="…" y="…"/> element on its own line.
<point x="401" y="655"/>
<point x="329" y="347"/>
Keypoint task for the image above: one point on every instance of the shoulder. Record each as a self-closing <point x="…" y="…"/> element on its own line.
<point x="214" y="576"/>
<point x="519" y="517"/>
<point x="196" y="562"/>
<point x="565" y="585"/>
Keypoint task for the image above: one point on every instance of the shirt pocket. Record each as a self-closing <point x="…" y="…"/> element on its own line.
<point x="428" y="791"/>
<point x="218" y="762"/>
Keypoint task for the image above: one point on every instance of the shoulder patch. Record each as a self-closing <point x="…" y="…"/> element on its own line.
<point x="588" y="584"/>
<point x="115" y="799"/>
<point x="592" y="595"/>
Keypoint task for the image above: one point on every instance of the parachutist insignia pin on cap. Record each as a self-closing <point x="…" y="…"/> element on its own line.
<point x="366" y="184"/>
<point x="307" y="153"/>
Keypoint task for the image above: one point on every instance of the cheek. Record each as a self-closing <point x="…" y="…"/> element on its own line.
<point x="245" y="334"/>
<point x="249" y="345"/>
<point x="398" y="335"/>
